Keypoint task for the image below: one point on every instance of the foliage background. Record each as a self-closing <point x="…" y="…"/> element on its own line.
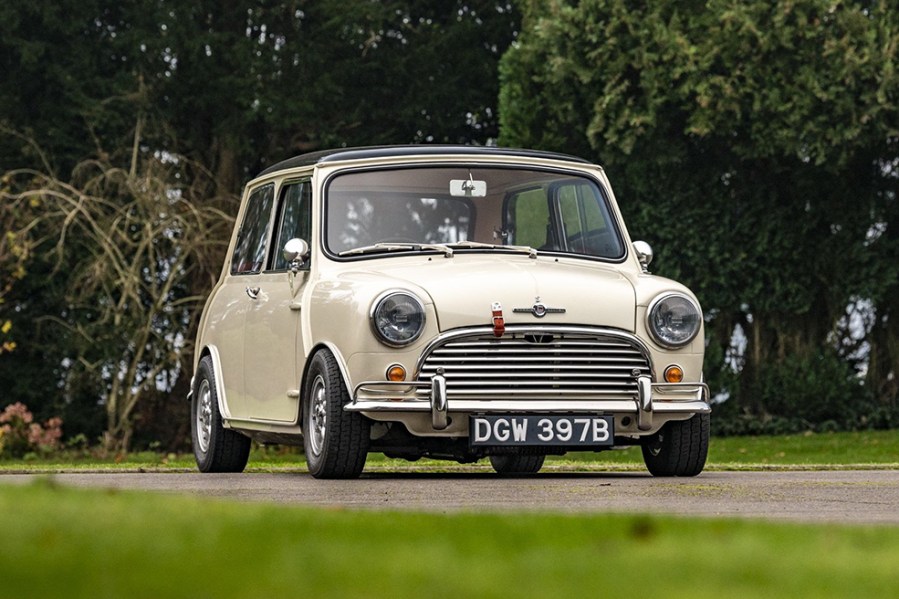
<point x="757" y="146"/>
<point x="753" y="144"/>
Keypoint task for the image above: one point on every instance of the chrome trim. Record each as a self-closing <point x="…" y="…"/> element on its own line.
<point x="536" y="329"/>
<point x="487" y="407"/>
<point x="415" y="396"/>
<point x="644" y="403"/>
<point x="644" y="254"/>
<point x="439" y="419"/>
<point x="652" y="305"/>
<point x="539" y="309"/>
<point x="537" y="362"/>
<point x="429" y="393"/>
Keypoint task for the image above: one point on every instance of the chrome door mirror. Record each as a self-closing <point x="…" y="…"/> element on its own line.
<point x="296" y="251"/>
<point x="644" y="254"/>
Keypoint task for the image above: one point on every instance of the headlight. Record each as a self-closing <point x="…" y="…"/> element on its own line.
<point x="674" y="320"/>
<point x="398" y="318"/>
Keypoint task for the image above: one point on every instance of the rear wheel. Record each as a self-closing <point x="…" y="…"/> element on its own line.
<point x="216" y="448"/>
<point x="512" y="464"/>
<point x="336" y="442"/>
<point x="679" y="448"/>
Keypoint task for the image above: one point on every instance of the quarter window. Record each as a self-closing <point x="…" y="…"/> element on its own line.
<point x="295" y="219"/>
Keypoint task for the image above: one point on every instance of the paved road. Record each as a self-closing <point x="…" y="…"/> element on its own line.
<point x="840" y="496"/>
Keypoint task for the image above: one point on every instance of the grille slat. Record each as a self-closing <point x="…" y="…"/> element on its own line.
<point x="545" y="364"/>
<point x="486" y="368"/>
<point x="527" y="351"/>
<point x="554" y="377"/>
<point x="533" y="359"/>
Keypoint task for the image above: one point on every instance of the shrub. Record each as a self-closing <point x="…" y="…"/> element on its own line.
<point x="20" y="435"/>
<point x="818" y="392"/>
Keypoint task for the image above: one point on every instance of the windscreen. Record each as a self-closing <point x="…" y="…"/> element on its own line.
<point x="554" y="212"/>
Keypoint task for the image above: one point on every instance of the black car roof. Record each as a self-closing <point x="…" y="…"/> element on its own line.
<point x="340" y="154"/>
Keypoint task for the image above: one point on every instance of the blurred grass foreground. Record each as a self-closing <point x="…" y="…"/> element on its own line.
<point x="61" y="542"/>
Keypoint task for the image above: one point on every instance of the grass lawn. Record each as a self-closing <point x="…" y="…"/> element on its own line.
<point x="61" y="542"/>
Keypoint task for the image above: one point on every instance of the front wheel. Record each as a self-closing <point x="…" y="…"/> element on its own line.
<point x="336" y="442"/>
<point x="679" y="448"/>
<point x="216" y="448"/>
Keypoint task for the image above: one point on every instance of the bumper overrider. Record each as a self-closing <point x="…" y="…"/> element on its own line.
<point x="534" y="370"/>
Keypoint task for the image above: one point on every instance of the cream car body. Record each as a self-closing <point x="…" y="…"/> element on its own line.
<point x="539" y="317"/>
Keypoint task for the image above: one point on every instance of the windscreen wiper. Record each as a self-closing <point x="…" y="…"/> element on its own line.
<point x="392" y="247"/>
<point x="531" y="252"/>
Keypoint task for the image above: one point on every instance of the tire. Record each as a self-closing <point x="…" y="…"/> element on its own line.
<point x="216" y="448"/>
<point x="680" y="448"/>
<point x="515" y="464"/>
<point x="336" y="442"/>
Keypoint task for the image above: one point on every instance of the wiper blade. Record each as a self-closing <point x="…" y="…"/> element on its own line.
<point x="391" y="247"/>
<point x="472" y="244"/>
<point x="531" y="252"/>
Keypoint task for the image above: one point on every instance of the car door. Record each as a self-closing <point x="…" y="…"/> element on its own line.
<point x="229" y="306"/>
<point x="273" y="341"/>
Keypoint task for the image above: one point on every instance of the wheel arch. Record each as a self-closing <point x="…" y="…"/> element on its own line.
<point x="341" y="365"/>
<point x="213" y="353"/>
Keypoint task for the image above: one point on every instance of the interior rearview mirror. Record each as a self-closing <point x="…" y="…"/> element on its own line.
<point x="468" y="188"/>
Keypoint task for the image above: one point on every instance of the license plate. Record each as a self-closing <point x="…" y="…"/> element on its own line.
<point x="536" y="430"/>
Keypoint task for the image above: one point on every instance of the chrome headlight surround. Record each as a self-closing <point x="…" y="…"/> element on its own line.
<point x="397" y="318"/>
<point x="673" y="320"/>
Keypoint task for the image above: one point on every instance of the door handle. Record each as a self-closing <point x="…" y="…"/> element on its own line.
<point x="253" y="292"/>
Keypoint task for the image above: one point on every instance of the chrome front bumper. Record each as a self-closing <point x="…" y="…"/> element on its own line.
<point x="430" y="396"/>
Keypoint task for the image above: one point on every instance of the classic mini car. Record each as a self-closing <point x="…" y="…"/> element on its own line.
<point x="447" y="302"/>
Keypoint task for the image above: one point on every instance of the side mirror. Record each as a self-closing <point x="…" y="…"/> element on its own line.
<point x="644" y="254"/>
<point x="296" y="251"/>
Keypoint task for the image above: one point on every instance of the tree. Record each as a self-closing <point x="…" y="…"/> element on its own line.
<point x="239" y="85"/>
<point x="756" y="144"/>
<point x="196" y="97"/>
<point x="274" y="79"/>
<point x="127" y="245"/>
<point x="13" y="255"/>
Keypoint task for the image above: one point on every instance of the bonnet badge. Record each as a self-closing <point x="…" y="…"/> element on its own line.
<point x="539" y="309"/>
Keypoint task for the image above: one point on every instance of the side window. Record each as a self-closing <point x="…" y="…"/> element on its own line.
<point x="295" y="219"/>
<point x="249" y="252"/>
<point x="527" y="219"/>
<point x="585" y="222"/>
<point x="572" y="212"/>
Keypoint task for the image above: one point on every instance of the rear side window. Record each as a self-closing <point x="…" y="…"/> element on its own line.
<point x="249" y="252"/>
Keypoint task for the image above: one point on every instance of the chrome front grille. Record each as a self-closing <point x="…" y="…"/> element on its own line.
<point x="537" y="364"/>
